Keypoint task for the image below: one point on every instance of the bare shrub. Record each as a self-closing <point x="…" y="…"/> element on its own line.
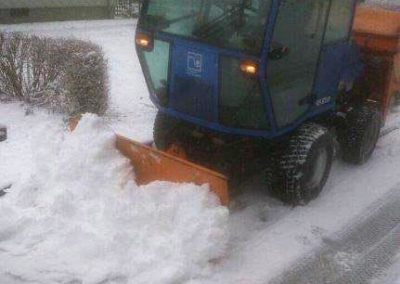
<point x="85" y="78"/>
<point x="66" y="76"/>
<point x="12" y="58"/>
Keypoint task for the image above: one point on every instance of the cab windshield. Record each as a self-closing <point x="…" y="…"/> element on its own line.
<point x="232" y="24"/>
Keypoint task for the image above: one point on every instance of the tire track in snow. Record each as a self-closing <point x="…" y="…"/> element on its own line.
<point x="356" y="255"/>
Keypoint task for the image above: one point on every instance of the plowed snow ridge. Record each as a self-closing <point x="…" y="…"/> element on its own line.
<point x="79" y="215"/>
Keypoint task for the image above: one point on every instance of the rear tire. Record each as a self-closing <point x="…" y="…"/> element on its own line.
<point x="360" y="134"/>
<point x="299" y="169"/>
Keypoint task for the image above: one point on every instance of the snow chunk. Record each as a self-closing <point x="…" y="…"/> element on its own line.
<point x="81" y="217"/>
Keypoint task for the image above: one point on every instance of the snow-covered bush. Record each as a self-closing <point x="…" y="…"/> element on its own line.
<point x="66" y="76"/>
<point x="85" y="78"/>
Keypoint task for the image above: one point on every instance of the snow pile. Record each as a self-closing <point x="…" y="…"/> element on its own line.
<point x="81" y="217"/>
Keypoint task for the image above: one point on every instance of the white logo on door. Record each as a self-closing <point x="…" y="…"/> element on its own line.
<point x="194" y="63"/>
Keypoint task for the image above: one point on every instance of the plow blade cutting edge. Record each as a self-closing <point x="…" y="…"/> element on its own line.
<point x="152" y="165"/>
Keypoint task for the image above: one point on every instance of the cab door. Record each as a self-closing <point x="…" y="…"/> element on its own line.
<point x="340" y="59"/>
<point x="299" y="28"/>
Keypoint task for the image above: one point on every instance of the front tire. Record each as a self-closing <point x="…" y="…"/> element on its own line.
<point x="299" y="169"/>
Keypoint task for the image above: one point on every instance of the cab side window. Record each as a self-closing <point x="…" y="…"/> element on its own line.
<point x="299" y="29"/>
<point x="339" y="20"/>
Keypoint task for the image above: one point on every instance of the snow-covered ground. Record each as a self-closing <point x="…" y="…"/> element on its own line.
<point x="55" y="238"/>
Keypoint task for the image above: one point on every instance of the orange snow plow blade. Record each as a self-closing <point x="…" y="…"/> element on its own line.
<point x="152" y="165"/>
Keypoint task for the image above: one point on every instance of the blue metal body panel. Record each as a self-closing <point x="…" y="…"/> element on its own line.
<point x="194" y="81"/>
<point x="194" y="87"/>
<point x="340" y="61"/>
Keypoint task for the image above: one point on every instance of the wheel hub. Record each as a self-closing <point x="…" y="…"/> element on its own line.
<point x="318" y="169"/>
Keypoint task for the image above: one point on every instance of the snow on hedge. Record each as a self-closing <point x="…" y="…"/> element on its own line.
<point x="63" y="75"/>
<point x="80" y="217"/>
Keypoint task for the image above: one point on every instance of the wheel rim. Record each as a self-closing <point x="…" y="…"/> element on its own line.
<point x="318" y="169"/>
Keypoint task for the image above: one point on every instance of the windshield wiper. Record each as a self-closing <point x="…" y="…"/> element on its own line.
<point x="159" y="22"/>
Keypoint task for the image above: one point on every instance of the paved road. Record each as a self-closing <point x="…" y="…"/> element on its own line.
<point x="356" y="255"/>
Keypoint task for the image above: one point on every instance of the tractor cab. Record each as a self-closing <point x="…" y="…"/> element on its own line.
<point x="248" y="67"/>
<point x="263" y="85"/>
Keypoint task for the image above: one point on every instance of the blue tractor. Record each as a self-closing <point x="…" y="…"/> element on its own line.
<point x="267" y="83"/>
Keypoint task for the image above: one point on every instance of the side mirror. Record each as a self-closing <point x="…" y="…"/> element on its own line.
<point x="277" y="51"/>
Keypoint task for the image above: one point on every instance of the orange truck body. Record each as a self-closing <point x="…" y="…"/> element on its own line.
<point x="377" y="31"/>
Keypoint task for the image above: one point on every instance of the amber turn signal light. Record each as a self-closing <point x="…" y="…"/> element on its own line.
<point x="249" y="67"/>
<point x="144" y="41"/>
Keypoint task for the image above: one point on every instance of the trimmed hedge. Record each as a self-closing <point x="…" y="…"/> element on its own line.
<point x="63" y="75"/>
